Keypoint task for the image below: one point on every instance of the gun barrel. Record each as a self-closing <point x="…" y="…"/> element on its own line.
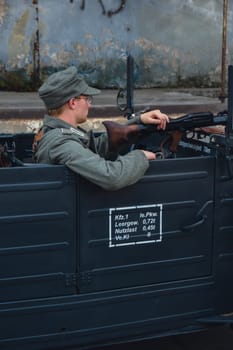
<point x="197" y="120"/>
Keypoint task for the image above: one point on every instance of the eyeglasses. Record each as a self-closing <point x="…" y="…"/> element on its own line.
<point x="89" y="99"/>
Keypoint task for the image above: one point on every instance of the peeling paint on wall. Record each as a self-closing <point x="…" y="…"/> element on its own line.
<point x="174" y="43"/>
<point x="3" y="11"/>
<point x="18" y="47"/>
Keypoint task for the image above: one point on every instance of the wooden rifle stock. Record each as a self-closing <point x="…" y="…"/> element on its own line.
<point x="122" y="136"/>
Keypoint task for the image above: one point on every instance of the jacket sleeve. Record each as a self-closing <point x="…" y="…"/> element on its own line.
<point x="110" y="175"/>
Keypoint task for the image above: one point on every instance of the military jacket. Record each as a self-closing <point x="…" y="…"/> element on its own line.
<point x="86" y="155"/>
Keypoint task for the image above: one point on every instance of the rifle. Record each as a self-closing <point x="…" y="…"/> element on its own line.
<point x="121" y="137"/>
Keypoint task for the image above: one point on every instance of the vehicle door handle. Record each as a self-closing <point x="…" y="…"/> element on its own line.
<point x="195" y="224"/>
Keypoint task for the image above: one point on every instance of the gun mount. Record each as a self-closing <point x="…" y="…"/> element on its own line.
<point x="125" y="96"/>
<point x="152" y="259"/>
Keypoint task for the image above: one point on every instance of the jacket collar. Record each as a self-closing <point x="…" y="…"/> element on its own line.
<point x="53" y="123"/>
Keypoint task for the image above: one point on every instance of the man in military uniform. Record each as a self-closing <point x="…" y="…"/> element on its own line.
<point x="67" y="98"/>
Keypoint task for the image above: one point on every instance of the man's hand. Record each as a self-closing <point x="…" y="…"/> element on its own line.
<point x="155" y="117"/>
<point x="149" y="155"/>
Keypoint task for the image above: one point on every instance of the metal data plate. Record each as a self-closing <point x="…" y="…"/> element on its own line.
<point x="140" y="224"/>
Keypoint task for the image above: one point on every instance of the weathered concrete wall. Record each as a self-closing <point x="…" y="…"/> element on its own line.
<point x="174" y="42"/>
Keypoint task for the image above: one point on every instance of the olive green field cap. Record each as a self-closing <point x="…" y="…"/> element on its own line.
<point x="61" y="86"/>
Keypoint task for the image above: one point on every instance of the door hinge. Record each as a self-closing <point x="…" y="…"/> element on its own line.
<point x="75" y="279"/>
<point x="70" y="177"/>
<point x="71" y="279"/>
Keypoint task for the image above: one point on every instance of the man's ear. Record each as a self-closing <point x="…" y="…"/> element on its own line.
<point x="72" y="103"/>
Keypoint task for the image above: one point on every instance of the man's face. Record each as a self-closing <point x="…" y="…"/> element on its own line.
<point x="83" y="105"/>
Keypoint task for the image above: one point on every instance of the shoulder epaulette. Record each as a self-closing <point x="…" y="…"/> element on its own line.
<point x="71" y="131"/>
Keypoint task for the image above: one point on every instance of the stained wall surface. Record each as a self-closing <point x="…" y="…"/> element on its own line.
<point x="173" y="42"/>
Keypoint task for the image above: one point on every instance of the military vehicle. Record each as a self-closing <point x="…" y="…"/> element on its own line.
<point x="82" y="267"/>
